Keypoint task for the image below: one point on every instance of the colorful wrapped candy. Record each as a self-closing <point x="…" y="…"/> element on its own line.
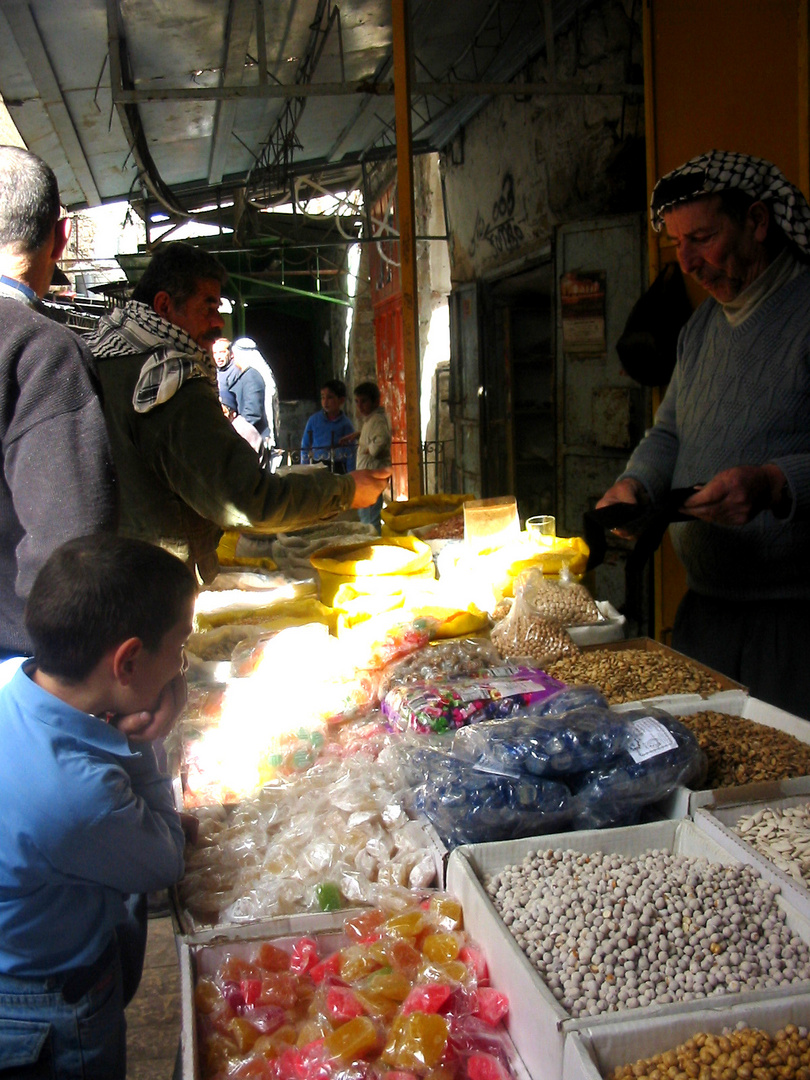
<point x="403" y="996"/>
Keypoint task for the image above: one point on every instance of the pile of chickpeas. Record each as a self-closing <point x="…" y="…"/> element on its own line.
<point x="607" y="932"/>
<point x="743" y="1054"/>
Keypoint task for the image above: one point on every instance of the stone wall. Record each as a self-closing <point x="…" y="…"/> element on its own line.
<point x="529" y="164"/>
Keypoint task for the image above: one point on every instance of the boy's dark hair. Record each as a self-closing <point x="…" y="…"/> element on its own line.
<point x="337" y="387"/>
<point x="95" y="592"/>
<point x="368" y="390"/>
<point x="176" y="269"/>
<point x="29" y="199"/>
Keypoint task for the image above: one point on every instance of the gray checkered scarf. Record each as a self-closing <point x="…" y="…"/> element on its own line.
<point x="719" y="171"/>
<point x="174" y="356"/>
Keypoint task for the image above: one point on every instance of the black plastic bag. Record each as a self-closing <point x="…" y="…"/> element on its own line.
<point x="649" y="341"/>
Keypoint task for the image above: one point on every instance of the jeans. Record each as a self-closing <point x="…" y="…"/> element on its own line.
<point x="61" y="1028"/>
<point x="370" y="515"/>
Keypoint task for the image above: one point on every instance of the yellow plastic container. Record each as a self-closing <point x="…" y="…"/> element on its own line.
<point x="385" y="565"/>
<point x="399" y="518"/>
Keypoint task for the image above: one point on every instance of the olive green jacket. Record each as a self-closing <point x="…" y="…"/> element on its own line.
<point x="184" y="474"/>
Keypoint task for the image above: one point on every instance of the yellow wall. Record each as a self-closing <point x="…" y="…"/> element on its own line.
<point x="721" y="75"/>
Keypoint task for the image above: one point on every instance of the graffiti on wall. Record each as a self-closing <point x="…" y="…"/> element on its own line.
<point x="501" y="231"/>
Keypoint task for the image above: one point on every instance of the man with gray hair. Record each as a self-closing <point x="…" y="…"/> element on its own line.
<point x="733" y="425"/>
<point x="185" y="474"/>
<point x="57" y="480"/>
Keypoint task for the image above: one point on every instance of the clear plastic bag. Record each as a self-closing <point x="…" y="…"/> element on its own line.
<point x="457" y="658"/>
<point x="529" y="635"/>
<point x="466" y="806"/>
<point x="553" y="746"/>
<point x="661" y="754"/>
<point x="443" y="706"/>
<point x="563" y="601"/>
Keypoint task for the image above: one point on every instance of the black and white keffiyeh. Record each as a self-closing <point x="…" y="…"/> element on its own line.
<point x="720" y="170"/>
<point x="174" y="355"/>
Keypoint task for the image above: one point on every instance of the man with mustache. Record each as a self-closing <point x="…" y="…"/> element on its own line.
<point x="734" y="423"/>
<point x="185" y="475"/>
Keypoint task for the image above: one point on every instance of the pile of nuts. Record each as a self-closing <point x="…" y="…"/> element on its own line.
<point x="741" y="751"/>
<point x="781" y="834"/>
<point x="569" y="604"/>
<point x="541" y="641"/>
<point x="633" y="674"/>
<point x="608" y="932"/>
<point x="744" y="1053"/>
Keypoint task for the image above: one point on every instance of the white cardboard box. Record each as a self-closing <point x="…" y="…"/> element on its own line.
<point x="198" y="959"/>
<point x="719" y="823"/>
<point x="684" y="802"/>
<point x="591" y="1053"/>
<point x="537" y="1023"/>
<point x="612" y="629"/>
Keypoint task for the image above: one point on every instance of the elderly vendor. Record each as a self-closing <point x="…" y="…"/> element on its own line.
<point x="735" y="422"/>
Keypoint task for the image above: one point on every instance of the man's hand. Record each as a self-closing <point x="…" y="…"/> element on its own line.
<point x="629" y="491"/>
<point x="147" y="726"/>
<point x="353" y="436"/>
<point x="736" y="496"/>
<point x="369" y="484"/>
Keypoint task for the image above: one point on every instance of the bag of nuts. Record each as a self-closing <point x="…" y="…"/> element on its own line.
<point x="534" y="638"/>
<point x="564" y="601"/>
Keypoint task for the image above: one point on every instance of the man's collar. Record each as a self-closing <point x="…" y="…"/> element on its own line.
<point x="26" y="290"/>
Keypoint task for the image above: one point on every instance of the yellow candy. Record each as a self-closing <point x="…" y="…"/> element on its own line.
<point x="388" y="984"/>
<point x="311" y="1031"/>
<point x="416" y="1041"/>
<point x="441" y="947"/>
<point x="354" y="1039"/>
<point x="406" y="924"/>
<point x="452" y="971"/>
<point x="357" y="961"/>
<point x="446" y="911"/>
<point x="244" y="1033"/>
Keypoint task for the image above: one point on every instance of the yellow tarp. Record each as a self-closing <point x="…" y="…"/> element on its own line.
<point x="400" y="517"/>
<point x="375" y="566"/>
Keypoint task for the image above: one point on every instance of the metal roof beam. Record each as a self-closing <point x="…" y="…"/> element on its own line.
<point x="120" y="81"/>
<point x="29" y="40"/>
<point x="382" y="89"/>
<point x="241" y="17"/>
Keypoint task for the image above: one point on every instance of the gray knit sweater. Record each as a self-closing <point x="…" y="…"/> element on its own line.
<point x="739" y="396"/>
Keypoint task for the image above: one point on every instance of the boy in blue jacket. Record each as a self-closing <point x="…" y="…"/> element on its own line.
<point x="86" y="819"/>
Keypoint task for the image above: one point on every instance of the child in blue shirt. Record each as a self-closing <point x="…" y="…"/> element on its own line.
<point x="86" y="819"/>
<point x="325" y="429"/>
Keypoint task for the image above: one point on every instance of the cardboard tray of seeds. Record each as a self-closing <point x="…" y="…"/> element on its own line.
<point x="202" y="958"/>
<point x="684" y="802"/>
<point x="650" y="645"/>
<point x="720" y="822"/>
<point x="592" y="1053"/>
<point x="537" y="1022"/>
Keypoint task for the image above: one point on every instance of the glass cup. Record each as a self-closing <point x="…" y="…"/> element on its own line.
<point x="542" y="529"/>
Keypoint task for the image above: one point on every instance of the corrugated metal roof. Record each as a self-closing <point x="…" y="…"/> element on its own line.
<point x="182" y="101"/>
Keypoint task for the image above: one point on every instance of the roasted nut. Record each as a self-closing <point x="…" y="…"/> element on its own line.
<point x="741" y="751"/>
<point x="632" y="674"/>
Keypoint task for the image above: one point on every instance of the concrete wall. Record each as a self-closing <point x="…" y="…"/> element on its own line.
<point x="529" y="165"/>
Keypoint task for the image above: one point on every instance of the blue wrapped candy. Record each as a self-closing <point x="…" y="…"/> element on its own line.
<point x="661" y="754"/>
<point x="554" y="745"/>
<point x="572" y="697"/>
<point x="470" y="807"/>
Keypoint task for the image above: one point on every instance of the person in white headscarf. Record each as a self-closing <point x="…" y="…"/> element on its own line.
<point x="734" y="423"/>
<point x="246" y="354"/>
